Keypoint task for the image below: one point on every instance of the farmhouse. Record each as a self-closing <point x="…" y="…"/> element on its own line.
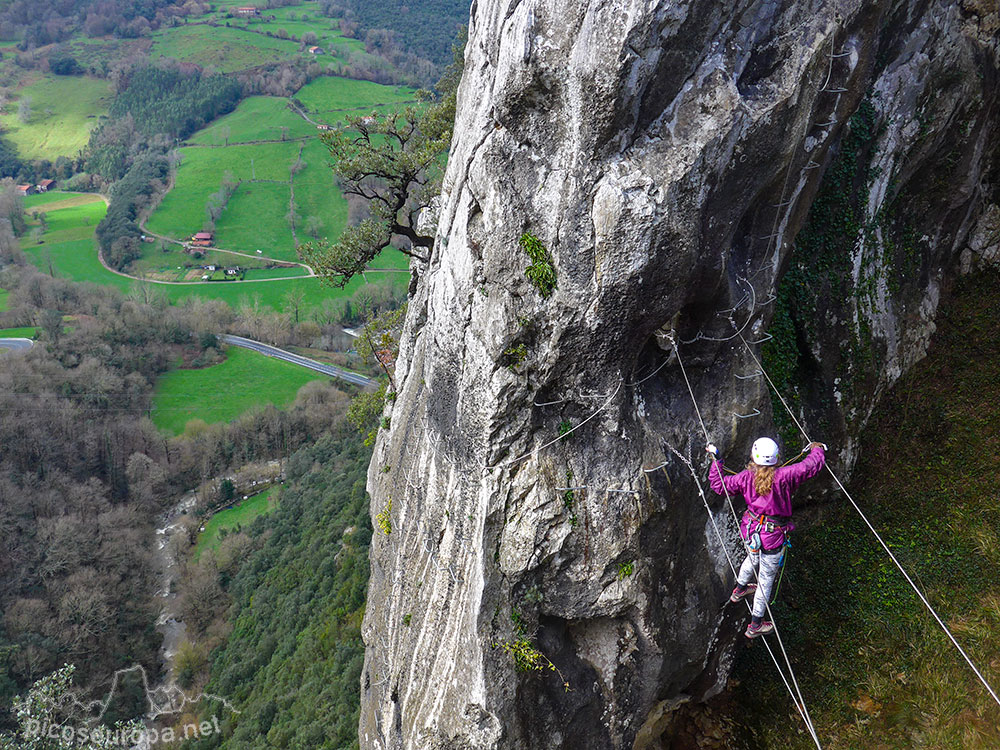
<point x="45" y="186"/>
<point x="26" y="189"/>
<point x="233" y="271"/>
<point x="202" y="239"/>
<point x="322" y="126"/>
<point x="316" y="51"/>
<point x="247" y="11"/>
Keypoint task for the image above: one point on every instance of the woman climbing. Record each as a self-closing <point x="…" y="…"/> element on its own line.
<point x="767" y="489"/>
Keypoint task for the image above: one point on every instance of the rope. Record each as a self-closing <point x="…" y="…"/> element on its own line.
<point x="540" y="448"/>
<point x="729" y="501"/>
<point x="871" y="528"/>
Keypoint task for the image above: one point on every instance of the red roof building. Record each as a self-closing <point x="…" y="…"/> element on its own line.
<point x="46" y="185"/>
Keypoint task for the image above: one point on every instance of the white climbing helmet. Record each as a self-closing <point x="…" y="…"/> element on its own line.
<point x="764" y="452"/>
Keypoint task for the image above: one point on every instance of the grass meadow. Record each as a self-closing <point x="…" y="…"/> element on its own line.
<point x="69" y="249"/>
<point x="222" y="392"/>
<point x="335" y="94"/>
<point x="231" y="519"/>
<point x="64" y="109"/>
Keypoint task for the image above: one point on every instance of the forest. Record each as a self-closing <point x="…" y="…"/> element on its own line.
<point x="85" y="472"/>
<point x="298" y="600"/>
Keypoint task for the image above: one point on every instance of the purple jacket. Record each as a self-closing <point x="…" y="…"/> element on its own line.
<point x="778" y="502"/>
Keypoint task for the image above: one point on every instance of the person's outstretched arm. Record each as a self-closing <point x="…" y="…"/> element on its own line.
<point x="808" y="467"/>
<point x="720" y="483"/>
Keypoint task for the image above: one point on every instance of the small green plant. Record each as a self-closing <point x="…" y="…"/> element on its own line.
<point x="541" y="273"/>
<point x="386" y="421"/>
<point x="533" y="595"/>
<point x="515" y="355"/>
<point x="569" y="500"/>
<point x="384" y="519"/>
<point x="526" y="657"/>
<point x="625" y="569"/>
<point x="565" y="428"/>
<point x="406" y="619"/>
<point x="386" y="469"/>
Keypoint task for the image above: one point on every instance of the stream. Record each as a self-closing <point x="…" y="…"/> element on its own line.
<point x="168" y="571"/>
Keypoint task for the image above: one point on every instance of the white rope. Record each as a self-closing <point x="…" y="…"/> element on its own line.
<point x="573" y="429"/>
<point x="868" y="523"/>
<point x="804" y="711"/>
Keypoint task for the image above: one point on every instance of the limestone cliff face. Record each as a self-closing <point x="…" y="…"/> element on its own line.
<point x="671" y="156"/>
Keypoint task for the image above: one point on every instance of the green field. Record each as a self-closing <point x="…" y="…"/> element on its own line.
<point x="69" y="250"/>
<point x="64" y="109"/>
<point x="222" y="392"/>
<point x="257" y="118"/>
<point x="257" y="216"/>
<point x="239" y="516"/>
<point x="27" y="332"/>
<point x="333" y="94"/>
<point x="222" y="49"/>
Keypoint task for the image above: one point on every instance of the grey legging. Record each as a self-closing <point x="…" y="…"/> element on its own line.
<point x="767" y="566"/>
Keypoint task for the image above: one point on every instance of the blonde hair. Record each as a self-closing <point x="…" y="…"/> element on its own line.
<point x="763" y="478"/>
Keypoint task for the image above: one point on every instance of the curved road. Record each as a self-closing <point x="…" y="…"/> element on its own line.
<point x="19" y="344"/>
<point x="296" y="359"/>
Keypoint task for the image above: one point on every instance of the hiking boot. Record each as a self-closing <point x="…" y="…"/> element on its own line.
<point x="762" y="628"/>
<point x="742" y="592"/>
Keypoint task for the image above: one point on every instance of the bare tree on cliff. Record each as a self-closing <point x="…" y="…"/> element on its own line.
<point x="395" y="163"/>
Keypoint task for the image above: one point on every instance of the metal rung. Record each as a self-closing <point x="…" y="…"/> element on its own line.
<point x="551" y="403"/>
<point x="834" y="91"/>
<point x="812" y="165"/>
<point x="771" y="297"/>
<point x="734" y="307"/>
<point x="655" y="468"/>
<point x="572" y="489"/>
<point x="841" y="54"/>
<point x="756" y="413"/>
<point x="826" y="124"/>
<point x="748" y="377"/>
<point x="624" y="492"/>
<point x="767" y="337"/>
<point x="782" y="205"/>
<point x="770" y="236"/>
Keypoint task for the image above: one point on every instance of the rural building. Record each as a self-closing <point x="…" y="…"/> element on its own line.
<point x="233" y="271"/>
<point x="45" y="186"/>
<point x="316" y="51"/>
<point x="26" y="189"/>
<point x="247" y="11"/>
<point x="202" y="239"/>
<point x="322" y="126"/>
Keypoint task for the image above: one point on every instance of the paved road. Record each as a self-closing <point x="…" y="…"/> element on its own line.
<point x="16" y="343"/>
<point x="295" y="359"/>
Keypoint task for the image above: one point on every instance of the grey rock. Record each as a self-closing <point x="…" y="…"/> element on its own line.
<point x="667" y="155"/>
